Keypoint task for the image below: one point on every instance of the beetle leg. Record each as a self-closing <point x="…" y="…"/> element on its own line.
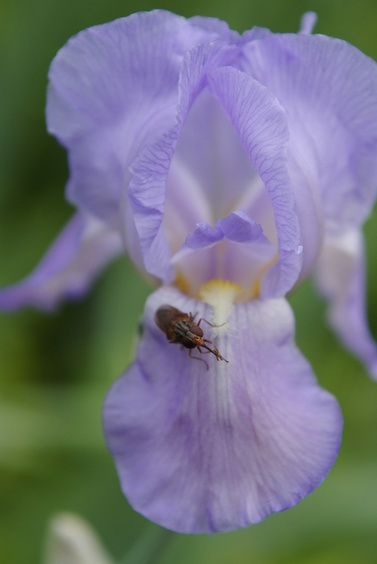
<point x="198" y="357"/>
<point x="209" y="323"/>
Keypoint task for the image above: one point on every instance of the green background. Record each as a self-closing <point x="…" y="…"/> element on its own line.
<point x="55" y="370"/>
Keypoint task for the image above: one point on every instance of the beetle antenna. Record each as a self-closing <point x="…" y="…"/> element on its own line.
<point x="213" y="351"/>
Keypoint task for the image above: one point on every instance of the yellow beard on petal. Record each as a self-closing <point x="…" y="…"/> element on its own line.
<point x="221" y="295"/>
<point x="182" y="283"/>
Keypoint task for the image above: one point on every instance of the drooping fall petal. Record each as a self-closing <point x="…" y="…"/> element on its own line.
<point x="207" y="450"/>
<point x="68" y="269"/>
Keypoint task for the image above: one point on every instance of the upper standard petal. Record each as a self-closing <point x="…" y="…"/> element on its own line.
<point x="112" y="89"/>
<point x="329" y="91"/>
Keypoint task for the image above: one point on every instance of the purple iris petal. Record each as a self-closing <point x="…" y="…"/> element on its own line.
<point x="211" y="174"/>
<point x="329" y="92"/>
<point x="147" y="188"/>
<point x="113" y="88"/>
<point x="305" y="153"/>
<point x="235" y="249"/>
<point x="261" y="125"/>
<point x="202" y="450"/>
<point x="69" y="267"/>
<point x="332" y="117"/>
<point x="341" y="279"/>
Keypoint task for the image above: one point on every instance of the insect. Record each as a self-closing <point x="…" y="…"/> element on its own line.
<point x="180" y="327"/>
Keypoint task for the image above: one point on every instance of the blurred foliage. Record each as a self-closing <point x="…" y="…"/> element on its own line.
<point x="55" y="370"/>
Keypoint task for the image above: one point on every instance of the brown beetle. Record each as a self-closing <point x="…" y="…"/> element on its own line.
<point x="180" y="327"/>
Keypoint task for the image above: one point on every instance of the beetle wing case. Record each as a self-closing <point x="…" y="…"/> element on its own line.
<point x="166" y="317"/>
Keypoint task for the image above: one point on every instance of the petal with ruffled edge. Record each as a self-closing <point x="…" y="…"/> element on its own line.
<point x="261" y="127"/>
<point x="340" y="275"/>
<point x="329" y="91"/>
<point x="150" y="169"/>
<point x="113" y="88"/>
<point x="68" y="269"/>
<point x="212" y="450"/>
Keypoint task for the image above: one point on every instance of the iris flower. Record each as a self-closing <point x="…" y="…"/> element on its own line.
<point x="229" y="168"/>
